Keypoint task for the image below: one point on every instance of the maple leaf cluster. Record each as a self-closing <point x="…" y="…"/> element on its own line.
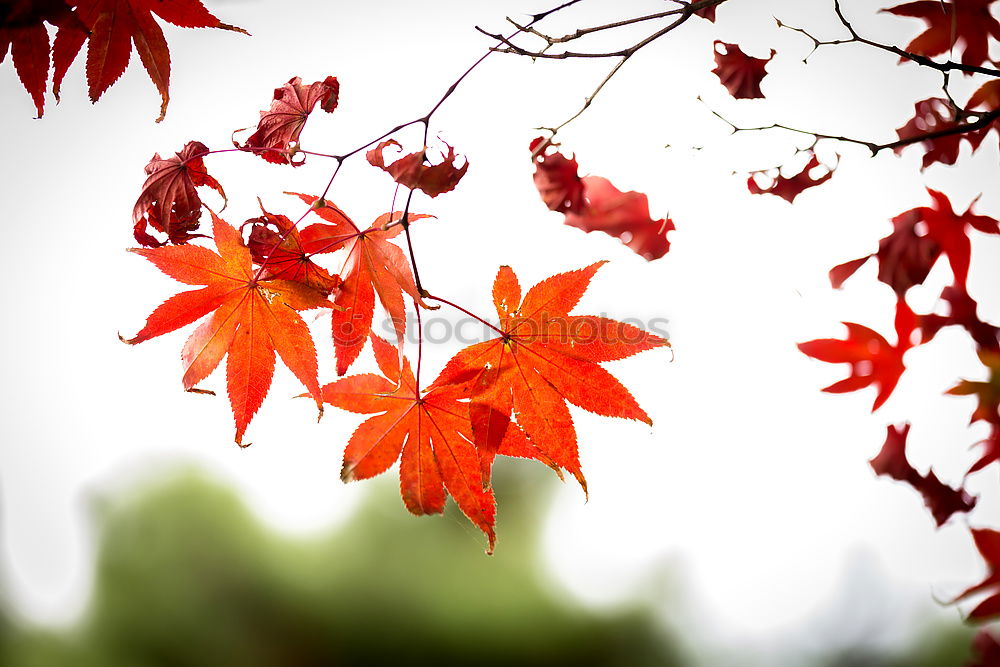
<point x="920" y="237"/>
<point x="508" y="396"/>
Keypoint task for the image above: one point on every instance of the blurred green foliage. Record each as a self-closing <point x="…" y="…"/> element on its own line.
<point x="187" y="577"/>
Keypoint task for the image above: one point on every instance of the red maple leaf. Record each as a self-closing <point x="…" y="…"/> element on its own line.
<point x="962" y="311"/>
<point x="430" y="433"/>
<point x="965" y="22"/>
<point x="114" y="26"/>
<point x="545" y="358"/>
<point x="987" y="393"/>
<point x="873" y="360"/>
<point x="411" y="172"/>
<point x="986" y="650"/>
<point x="942" y="500"/>
<point x="23" y="34"/>
<point x="287" y="252"/>
<point x="277" y="136"/>
<point x="988" y="543"/>
<point x="169" y="202"/>
<point x="707" y="12"/>
<point x="932" y="116"/>
<point x="987" y="95"/>
<point x="593" y="204"/>
<point x="373" y="266"/>
<point x="250" y="320"/>
<point x="789" y="187"/>
<point x="991" y="450"/>
<point x="919" y="237"/>
<point x="739" y="73"/>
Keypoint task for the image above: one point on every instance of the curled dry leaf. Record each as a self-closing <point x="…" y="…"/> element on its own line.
<point x="942" y="500"/>
<point x="286" y="253"/>
<point x="277" y="136"/>
<point x="114" y="26"/>
<point x="411" y="172"/>
<point x="169" y="202"/>
<point x="790" y="187"/>
<point x="592" y="203"/>
<point x="739" y="73"/>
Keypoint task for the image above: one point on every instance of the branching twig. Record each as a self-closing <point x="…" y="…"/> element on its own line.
<point x="983" y="120"/>
<point x="947" y="66"/>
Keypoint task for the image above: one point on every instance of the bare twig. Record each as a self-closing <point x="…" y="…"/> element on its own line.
<point x="947" y="66"/>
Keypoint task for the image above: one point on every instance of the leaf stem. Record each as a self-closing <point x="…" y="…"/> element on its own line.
<point x="467" y="312"/>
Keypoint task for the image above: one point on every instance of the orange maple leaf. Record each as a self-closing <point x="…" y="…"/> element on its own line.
<point x="373" y="266"/>
<point x="250" y="320"/>
<point x="544" y="358"/>
<point x="431" y="433"/>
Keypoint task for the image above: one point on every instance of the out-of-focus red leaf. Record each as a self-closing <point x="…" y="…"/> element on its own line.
<point x="919" y="237"/>
<point x="411" y="172"/>
<point x="592" y="203"/>
<point x="117" y="24"/>
<point x="873" y="360"/>
<point x="962" y="312"/>
<point x="277" y="136"/>
<point x="942" y="500"/>
<point x="430" y="433"/>
<point x="987" y="393"/>
<point x="789" y="187"/>
<point x="968" y="23"/>
<point x="169" y="202"/>
<point x="624" y="215"/>
<point x="991" y="450"/>
<point x="707" y="13"/>
<point x="987" y="95"/>
<point x="739" y="73"/>
<point x="23" y="33"/>
<point x="985" y="650"/>
<point x="988" y="543"/>
<point x="936" y="115"/>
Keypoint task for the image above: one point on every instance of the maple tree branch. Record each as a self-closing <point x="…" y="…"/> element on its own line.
<point x="686" y="10"/>
<point x="984" y="119"/>
<point x="947" y="66"/>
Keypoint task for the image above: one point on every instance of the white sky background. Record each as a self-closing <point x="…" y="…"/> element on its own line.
<point x="751" y="481"/>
